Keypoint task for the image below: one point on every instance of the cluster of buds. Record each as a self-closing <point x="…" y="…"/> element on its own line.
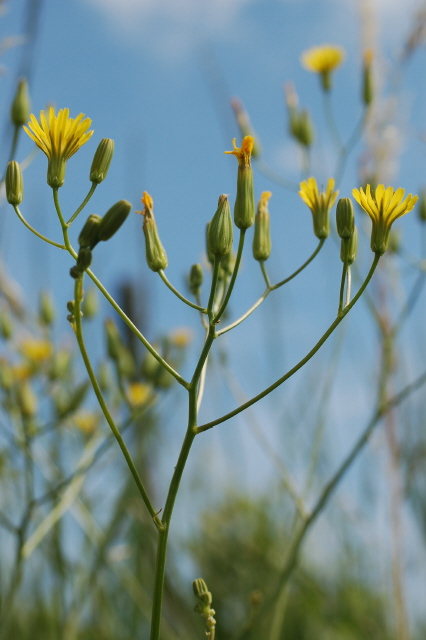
<point x="203" y="606"/>
<point x="98" y="229"/>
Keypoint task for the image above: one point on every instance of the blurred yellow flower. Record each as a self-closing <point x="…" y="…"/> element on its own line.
<point x="181" y="337"/>
<point x="323" y="60"/>
<point x="320" y="203"/>
<point x="138" y="393"/>
<point x="59" y="137"/>
<point x="22" y="372"/>
<point x="35" y="350"/>
<point x="87" y="422"/>
<point x="383" y="207"/>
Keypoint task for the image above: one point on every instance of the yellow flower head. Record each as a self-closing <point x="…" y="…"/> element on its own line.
<point x="383" y="207"/>
<point x="59" y="137"/>
<point x="323" y="60"/>
<point x="243" y="154"/>
<point x="138" y="393"/>
<point x="320" y="203"/>
<point x="87" y="422"/>
<point x="35" y="350"/>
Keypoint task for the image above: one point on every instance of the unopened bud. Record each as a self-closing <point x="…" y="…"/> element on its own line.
<point x="345" y="219"/>
<point x="14" y="183"/>
<point x="156" y="256"/>
<point x="46" y="308"/>
<point x="305" y="133"/>
<point x="90" y="303"/>
<point x="349" y="247"/>
<point x="220" y="232"/>
<point x="262" y="232"/>
<point x="421" y="209"/>
<point x="394" y="241"/>
<point x="89" y="235"/>
<point x="102" y="160"/>
<point x="26" y="399"/>
<point x="113" y="338"/>
<point x="367" y="79"/>
<point x="244" y="208"/>
<point x="20" y="109"/>
<point x="84" y="259"/>
<point x="200" y="588"/>
<point x="195" y="278"/>
<point x="6" y="325"/>
<point x="113" y="219"/>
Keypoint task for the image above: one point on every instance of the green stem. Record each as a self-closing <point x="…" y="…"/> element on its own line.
<point x="331" y="123"/>
<point x="78" y="295"/>
<point x="83" y="204"/>
<point x="342" y="288"/>
<point x="215" y="278"/>
<point x="233" y="277"/>
<point x="302" y="362"/>
<point x="39" y="235"/>
<point x="191" y="432"/>
<point x="179" y="295"/>
<point x="265" y="273"/>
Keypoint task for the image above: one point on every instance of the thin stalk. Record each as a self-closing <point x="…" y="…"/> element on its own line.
<point x="78" y="291"/>
<point x="331" y="123"/>
<point x="301" y="363"/>
<point x="348" y="286"/>
<point x="342" y="288"/>
<point x="179" y="295"/>
<point x="265" y="273"/>
<point x="215" y="278"/>
<point x="83" y="204"/>
<point x="39" y="235"/>
<point x="233" y="277"/>
<point x="304" y="265"/>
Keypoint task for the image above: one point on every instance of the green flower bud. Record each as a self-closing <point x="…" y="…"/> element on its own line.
<point x="46" y="308"/>
<point x="349" y="247"/>
<point x="195" y="278"/>
<point x="26" y="399"/>
<point x="75" y="272"/>
<point x="262" y="232"/>
<point x="244" y="208"/>
<point x="394" y="241"/>
<point x="220" y="232"/>
<point x="113" y="219"/>
<point x="84" y="259"/>
<point x="89" y="235"/>
<point x="421" y="210"/>
<point x="102" y="160"/>
<point x="156" y="256"/>
<point x="367" y="79"/>
<point x="60" y="364"/>
<point x="306" y="132"/>
<point x="90" y="303"/>
<point x="7" y="378"/>
<point x="113" y="339"/>
<point x="200" y="588"/>
<point x="6" y="325"/>
<point x="345" y="219"/>
<point x="20" y="109"/>
<point x="71" y="401"/>
<point x="210" y="256"/>
<point x="14" y="183"/>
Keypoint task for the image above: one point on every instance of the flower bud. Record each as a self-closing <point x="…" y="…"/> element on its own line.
<point x="200" y="589"/>
<point x="156" y="256"/>
<point x="305" y="132"/>
<point x="14" y="183"/>
<point x="421" y="210"/>
<point x="244" y="209"/>
<point x="220" y="232"/>
<point x="113" y="338"/>
<point x="367" y="79"/>
<point x="102" y="160"/>
<point x="394" y="241"/>
<point x="113" y="219"/>
<point x="6" y="325"/>
<point x="84" y="259"/>
<point x="345" y="219"/>
<point x="210" y="256"/>
<point x="90" y="303"/>
<point x="262" y="233"/>
<point x="20" y="109"/>
<point x="195" y="278"/>
<point x="89" y="235"/>
<point x="348" y="248"/>
<point x="46" y="309"/>
<point x="26" y="399"/>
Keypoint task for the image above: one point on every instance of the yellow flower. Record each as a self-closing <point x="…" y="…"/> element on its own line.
<point x="319" y="203"/>
<point x="87" y="422"/>
<point x="59" y="137"/>
<point x="37" y="351"/>
<point x="138" y="393"/>
<point x="181" y="338"/>
<point x="323" y="60"/>
<point x="243" y="154"/>
<point x="383" y="207"/>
